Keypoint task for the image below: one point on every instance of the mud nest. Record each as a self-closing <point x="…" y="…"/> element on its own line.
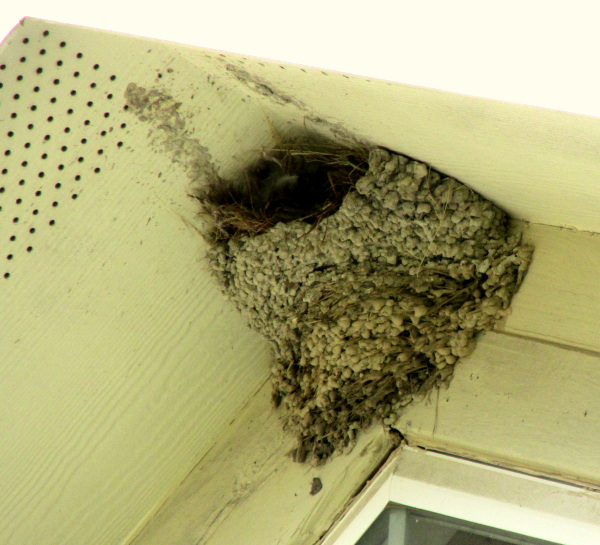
<point x="369" y="272"/>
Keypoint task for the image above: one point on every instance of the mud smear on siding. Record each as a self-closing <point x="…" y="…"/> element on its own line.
<point x="168" y="132"/>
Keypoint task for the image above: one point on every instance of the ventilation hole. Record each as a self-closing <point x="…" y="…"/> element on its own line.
<point x="39" y="70"/>
<point x="7" y="152"/>
<point x="50" y="119"/>
<point x="96" y="66"/>
<point x="75" y="74"/>
<point x="22" y="59"/>
<point x="61" y="167"/>
<point x="2" y="66"/>
<point x="16" y="96"/>
<point x="109" y="96"/>
<point x="58" y="185"/>
<point x="1" y="85"/>
<point x="79" y="55"/>
<point x="87" y="122"/>
<point x="27" y="145"/>
<point x="30" y="126"/>
<point x="67" y="129"/>
<point x="103" y="133"/>
<point x="42" y="51"/>
<point x="59" y="63"/>
<point x="9" y="257"/>
<point x="35" y="212"/>
<point x="97" y="170"/>
<point x="84" y="140"/>
<point x="55" y="204"/>
<point x="13" y="238"/>
<point x="74" y="196"/>
<point x="56" y="81"/>
<point x="93" y="85"/>
<point x="113" y="78"/>
<point x="80" y="159"/>
<point x="32" y="230"/>
<point x="19" y="78"/>
<point x="44" y="156"/>
<point x="4" y="171"/>
<point x="73" y="93"/>
<point x="19" y="201"/>
<point x="2" y="189"/>
<point x="6" y="275"/>
<point x="33" y="107"/>
<point x="29" y="248"/>
<point x="10" y="134"/>
<point x="119" y="144"/>
<point x="46" y="33"/>
<point x="53" y="100"/>
<point x="21" y="182"/>
<point x="63" y="148"/>
<point x="47" y="137"/>
<point x="70" y="111"/>
<point x="51" y="222"/>
<point x="36" y="89"/>
<point x="90" y="104"/>
<point x="100" y="151"/>
<point x="63" y="44"/>
<point x="24" y="163"/>
<point x="15" y="220"/>
<point x="123" y="125"/>
<point x="78" y="177"/>
<point x="41" y="174"/>
<point x="13" y="115"/>
<point x="25" y="40"/>
<point x="38" y="193"/>
<point x="106" y="114"/>
<point x="126" y="107"/>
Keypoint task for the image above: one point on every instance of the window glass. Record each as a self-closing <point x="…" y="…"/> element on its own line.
<point x="399" y="525"/>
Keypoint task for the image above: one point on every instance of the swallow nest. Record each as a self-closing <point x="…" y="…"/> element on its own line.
<point x="369" y="306"/>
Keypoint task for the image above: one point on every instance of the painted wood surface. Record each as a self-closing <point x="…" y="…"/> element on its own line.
<point x="248" y="490"/>
<point x="519" y="403"/>
<point x="559" y="300"/>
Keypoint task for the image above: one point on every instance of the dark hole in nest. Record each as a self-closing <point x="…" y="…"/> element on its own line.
<point x="303" y="180"/>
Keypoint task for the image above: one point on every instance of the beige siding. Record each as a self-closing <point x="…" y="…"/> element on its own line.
<point x="248" y="490"/>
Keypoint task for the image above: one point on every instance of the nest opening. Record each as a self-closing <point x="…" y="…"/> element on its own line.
<point x="300" y="181"/>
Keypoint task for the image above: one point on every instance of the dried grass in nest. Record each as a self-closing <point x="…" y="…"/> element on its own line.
<point x="303" y="180"/>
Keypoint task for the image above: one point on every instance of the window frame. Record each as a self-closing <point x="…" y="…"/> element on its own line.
<point x="502" y="498"/>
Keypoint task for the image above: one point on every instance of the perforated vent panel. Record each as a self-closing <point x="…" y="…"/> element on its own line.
<point x="119" y="364"/>
<point x="61" y="121"/>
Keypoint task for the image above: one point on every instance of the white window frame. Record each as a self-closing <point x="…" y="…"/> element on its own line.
<point x="464" y="489"/>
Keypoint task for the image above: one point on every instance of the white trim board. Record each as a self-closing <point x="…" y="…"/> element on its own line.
<point x="477" y="493"/>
